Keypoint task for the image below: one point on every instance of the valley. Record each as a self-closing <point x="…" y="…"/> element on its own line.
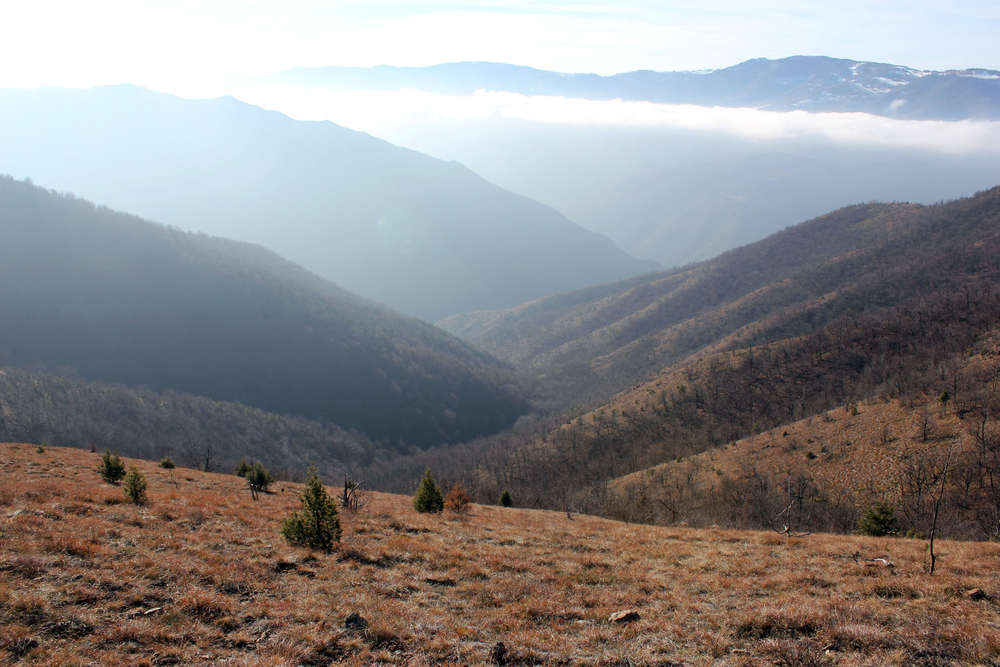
<point x="475" y="363"/>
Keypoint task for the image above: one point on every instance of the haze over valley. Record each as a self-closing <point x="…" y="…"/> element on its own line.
<point x="427" y="237"/>
<point x="500" y="334"/>
<point x="679" y="166"/>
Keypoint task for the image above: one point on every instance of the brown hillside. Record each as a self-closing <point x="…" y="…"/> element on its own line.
<point x="200" y="576"/>
<point x="873" y="303"/>
<point x="857" y="260"/>
<point x="852" y="457"/>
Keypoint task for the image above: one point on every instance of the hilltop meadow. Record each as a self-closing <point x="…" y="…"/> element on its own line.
<point x="201" y="576"/>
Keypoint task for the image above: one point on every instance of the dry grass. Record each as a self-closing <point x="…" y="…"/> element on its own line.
<point x="860" y="448"/>
<point x="200" y="575"/>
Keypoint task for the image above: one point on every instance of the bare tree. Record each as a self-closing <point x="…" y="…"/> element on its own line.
<point x="354" y="495"/>
<point x="943" y="473"/>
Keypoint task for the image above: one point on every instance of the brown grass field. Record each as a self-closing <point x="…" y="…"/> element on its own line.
<point x="861" y="448"/>
<point x="201" y="576"/>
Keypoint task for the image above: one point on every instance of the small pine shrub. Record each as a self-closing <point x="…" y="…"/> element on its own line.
<point x="317" y="525"/>
<point x="40" y="449"/>
<point x="878" y="521"/>
<point x="428" y="498"/>
<point x="167" y="463"/>
<point x="505" y="500"/>
<point x="258" y="479"/>
<point x="458" y="499"/>
<point x="112" y="468"/>
<point x="134" y="487"/>
<point x="242" y="468"/>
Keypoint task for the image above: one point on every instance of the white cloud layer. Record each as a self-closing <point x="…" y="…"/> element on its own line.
<point x="385" y="113"/>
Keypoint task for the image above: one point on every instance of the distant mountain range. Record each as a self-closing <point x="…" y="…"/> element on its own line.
<point x="427" y="237"/>
<point x="105" y="296"/>
<point x="808" y="83"/>
<point x="680" y="194"/>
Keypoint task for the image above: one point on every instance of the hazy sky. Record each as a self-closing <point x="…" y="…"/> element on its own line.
<point x="189" y="47"/>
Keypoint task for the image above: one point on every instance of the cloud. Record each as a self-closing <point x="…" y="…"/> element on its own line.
<point x="384" y="113"/>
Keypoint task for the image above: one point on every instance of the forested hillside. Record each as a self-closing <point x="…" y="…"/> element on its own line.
<point x="871" y="303"/>
<point x="601" y="340"/>
<point x="106" y="296"/>
<point x="193" y="431"/>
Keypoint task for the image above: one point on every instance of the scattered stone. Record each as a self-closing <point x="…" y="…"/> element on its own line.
<point x="285" y="566"/>
<point x="625" y="616"/>
<point x="499" y="654"/>
<point x="355" y="621"/>
<point x="440" y="582"/>
<point x="976" y="594"/>
<point x="152" y="611"/>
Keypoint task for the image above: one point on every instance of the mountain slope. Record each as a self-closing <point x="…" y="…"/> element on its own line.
<point x="810" y="83"/>
<point x="875" y="303"/>
<point x="427" y="237"/>
<point x="114" y="298"/>
<point x="194" y="431"/>
<point x="617" y="334"/>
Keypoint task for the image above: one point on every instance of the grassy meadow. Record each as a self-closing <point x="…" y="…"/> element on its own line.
<point x="200" y="575"/>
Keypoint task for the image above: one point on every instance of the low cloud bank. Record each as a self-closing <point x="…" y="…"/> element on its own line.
<point x="383" y="113"/>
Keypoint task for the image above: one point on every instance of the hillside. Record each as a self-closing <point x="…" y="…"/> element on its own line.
<point x="875" y="304"/>
<point x="427" y="237"/>
<point x="856" y="259"/>
<point x="192" y="430"/>
<point x="104" y="296"/>
<point x="201" y="576"/>
<point x="889" y="451"/>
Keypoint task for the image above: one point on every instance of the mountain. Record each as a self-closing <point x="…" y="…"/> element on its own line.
<point x="427" y="237"/>
<point x="809" y="83"/>
<point x="109" y="297"/>
<point x="682" y="185"/>
<point x="873" y="303"/>
<point x="614" y="335"/>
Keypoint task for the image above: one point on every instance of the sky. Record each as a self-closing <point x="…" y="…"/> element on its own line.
<point x="199" y="48"/>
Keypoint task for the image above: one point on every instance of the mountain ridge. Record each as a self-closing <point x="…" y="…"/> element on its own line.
<point x="809" y="83"/>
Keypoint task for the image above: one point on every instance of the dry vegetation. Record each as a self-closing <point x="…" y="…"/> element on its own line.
<point x="200" y="575"/>
<point x="862" y="448"/>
